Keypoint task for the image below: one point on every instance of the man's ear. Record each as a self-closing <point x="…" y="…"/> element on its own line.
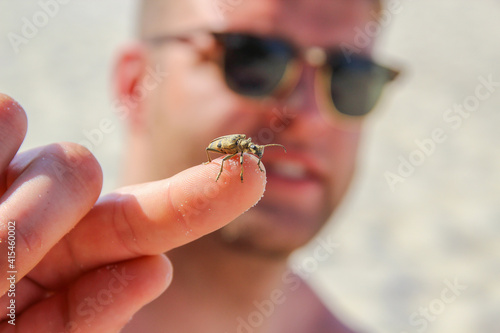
<point x="128" y="77"/>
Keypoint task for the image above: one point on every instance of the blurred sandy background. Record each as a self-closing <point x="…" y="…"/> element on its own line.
<point x="398" y="250"/>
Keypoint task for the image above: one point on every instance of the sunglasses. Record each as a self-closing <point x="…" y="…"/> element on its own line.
<point x="260" y="67"/>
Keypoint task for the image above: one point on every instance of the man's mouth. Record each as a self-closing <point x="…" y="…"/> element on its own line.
<point x="294" y="168"/>
<point x="295" y="182"/>
<point x="291" y="170"/>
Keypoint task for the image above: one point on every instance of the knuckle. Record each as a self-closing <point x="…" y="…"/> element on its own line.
<point x="73" y="164"/>
<point x="125" y="210"/>
<point x="31" y="238"/>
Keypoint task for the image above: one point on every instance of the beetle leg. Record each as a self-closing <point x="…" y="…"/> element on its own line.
<point x="241" y="162"/>
<point x="222" y="165"/>
<point x="210" y="149"/>
<point x="208" y="156"/>
<point x="258" y="164"/>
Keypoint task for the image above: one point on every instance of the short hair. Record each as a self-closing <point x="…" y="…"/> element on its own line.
<point x="151" y="11"/>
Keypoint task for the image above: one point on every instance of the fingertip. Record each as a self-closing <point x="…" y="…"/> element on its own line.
<point x="86" y="165"/>
<point x="257" y="175"/>
<point x="164" y="270"/>
<point x="12" y="116"/>
<point x="152" y="276"/>
<point x="206" y="204"/>
<point x="248" y="190"/>
<point x="252" y="174"/>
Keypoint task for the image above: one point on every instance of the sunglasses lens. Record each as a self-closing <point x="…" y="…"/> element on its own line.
<point x="254" y="66"/>
<point x="356" y="84"/>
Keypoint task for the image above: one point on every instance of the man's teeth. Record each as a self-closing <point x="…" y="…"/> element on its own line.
<point x="290" y="170"/>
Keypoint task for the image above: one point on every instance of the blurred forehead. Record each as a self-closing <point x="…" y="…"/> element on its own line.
<point x="307" y="22"/>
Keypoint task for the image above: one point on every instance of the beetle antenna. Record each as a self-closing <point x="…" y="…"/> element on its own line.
<point x="274" y="144"/>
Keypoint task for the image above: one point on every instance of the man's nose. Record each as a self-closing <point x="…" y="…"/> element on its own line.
<point x="305" y="94"/>
<point x="302" y="105"/>
<point x="302" y="97"/>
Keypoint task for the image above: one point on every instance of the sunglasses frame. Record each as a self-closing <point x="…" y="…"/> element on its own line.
<point x="288" y="80"/>
<point x="323" y="87"/>
<point x="315" y="57"/>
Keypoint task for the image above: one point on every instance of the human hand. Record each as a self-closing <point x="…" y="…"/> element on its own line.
<point x="87" y="266"/>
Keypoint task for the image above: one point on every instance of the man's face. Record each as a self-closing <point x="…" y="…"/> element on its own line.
<point x="193" y="105"/>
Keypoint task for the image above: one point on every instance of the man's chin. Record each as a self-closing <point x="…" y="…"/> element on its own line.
<point x="271" y="230"/>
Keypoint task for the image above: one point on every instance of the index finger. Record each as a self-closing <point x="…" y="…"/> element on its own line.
<point x="155" y="217"/>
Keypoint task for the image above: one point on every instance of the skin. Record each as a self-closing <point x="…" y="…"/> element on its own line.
<point x="194" y="85"/>
<point x="72" y="244"/>
<point x="68" y="256"/>
<point x="290" y="213"/>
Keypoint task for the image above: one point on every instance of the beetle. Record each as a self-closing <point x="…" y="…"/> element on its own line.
<point x="234" y="144"/>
